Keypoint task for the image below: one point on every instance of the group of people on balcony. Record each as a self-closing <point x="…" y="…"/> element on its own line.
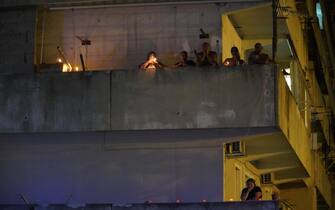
<point x="208" y="58"/>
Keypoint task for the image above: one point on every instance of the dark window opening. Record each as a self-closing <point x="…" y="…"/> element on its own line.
<point x="314" y="55"/>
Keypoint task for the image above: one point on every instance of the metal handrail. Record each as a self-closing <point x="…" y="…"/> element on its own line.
<point x="286" y="205"/>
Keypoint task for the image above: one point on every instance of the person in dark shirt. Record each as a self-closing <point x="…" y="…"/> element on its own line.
<point x="235" y="60"/>
<point x="254" y="55"/>
<point x="206" y="57"/>
<point x="184" y="61"/>
<point x="257" y="57"/>
<point x="151" y="62"/>
<point x="251" y="192"/>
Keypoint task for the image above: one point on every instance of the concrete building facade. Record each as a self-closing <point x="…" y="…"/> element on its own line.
<point x="114" y="134"/>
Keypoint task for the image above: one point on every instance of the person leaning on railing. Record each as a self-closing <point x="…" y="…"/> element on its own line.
<point x="251" y="192"/>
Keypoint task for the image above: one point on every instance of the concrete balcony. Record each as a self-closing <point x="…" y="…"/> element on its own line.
<point x="136" y="100"/>
<point x="163" y="128"/>
<point x="97" y="137"/>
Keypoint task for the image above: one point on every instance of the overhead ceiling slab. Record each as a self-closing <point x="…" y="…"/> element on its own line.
<point x="257" y="22"/>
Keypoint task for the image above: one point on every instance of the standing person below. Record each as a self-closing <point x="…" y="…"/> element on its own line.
<point x="184" y="61"/>
<point x="151" y="62"/>
<point x="251" y="192"/>
<point x="235" y="60"/>
<point x="206" y="57"/>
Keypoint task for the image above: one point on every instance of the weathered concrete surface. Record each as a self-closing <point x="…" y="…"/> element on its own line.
<point x="126" y="165"/>
<point x="132" y="100"/>
<point x="250" y="205"/>
<point x="17" y="40"/>
<point x="54" y="102"/>
<point x="193" y="98"/>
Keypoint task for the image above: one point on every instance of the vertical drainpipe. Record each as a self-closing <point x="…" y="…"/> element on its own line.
<point x="42" y="36"/>
<point x="274" y="49"/>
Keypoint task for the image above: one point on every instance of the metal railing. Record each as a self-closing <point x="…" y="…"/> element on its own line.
<point x="286" y="205"/>
<point x="300" y="91"/>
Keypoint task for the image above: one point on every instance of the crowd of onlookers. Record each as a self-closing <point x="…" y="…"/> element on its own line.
<point x="207" y="58"/>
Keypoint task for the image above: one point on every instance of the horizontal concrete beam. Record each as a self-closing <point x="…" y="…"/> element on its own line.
<point x="136" y="100"/>
<point x="271" y="155"/>
<point x="271" y="170"/>
<point x="298" y="172"/>
<point x="282" y="160"/>
<point x="288" y="182"/>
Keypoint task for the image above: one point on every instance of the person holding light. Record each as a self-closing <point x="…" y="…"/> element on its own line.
<point x="151" y="62"/>
<point x="235" y="60"/>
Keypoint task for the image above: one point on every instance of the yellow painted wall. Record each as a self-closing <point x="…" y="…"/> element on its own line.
<point x="318" y="101"/>
<point x="301" y="198"/>
<point x="320" y="178"/>
<point x="296" y="33"/>
<point x="268" y="190"/>
<point x="290" y="118"/>
<point x="292" y="124"/>
<point x="230" y="38"/>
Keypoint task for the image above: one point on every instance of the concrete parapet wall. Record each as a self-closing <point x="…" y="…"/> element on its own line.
<point x="250" y="205"/>
<point x="135" y="100"/>
<point x="54" y="102"/>
<point x="193" y="98"/>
